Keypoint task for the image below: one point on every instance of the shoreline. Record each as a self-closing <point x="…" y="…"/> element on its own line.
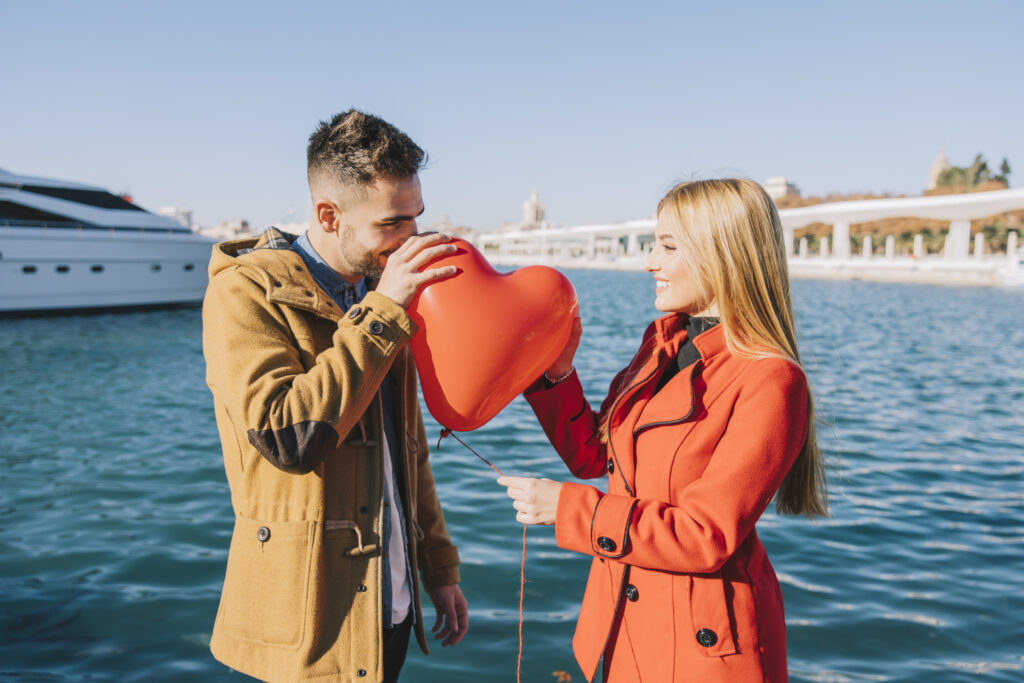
<point x="995" y="271"/>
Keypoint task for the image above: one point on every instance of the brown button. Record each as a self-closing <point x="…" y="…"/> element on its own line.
<point x="606" y="544"/>
<point x="611" y="466"/>
<point x="632" y="594"/>
<point x="376" y="327"/>
<point x="354" y="312"/>
<point x="263" y="534"/>
<point x="360" y="588"/>
<point x="361" y="673"/>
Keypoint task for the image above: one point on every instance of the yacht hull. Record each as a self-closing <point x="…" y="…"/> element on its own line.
<point x="57" y="269"/>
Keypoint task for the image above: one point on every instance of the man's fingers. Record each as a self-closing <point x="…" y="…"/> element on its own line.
<point x="435" y="274"/>
<point x="440" y="620"/>
<point x="417" y="243"/>
<point x="460" y="623"/>
<point x="429" y="254"/>
<point x="452" y="619"/>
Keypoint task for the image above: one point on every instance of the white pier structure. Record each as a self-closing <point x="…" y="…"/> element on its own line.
<point x="624" y="245"/>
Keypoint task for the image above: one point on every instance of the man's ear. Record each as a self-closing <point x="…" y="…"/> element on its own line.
<point x="327" y="215"/>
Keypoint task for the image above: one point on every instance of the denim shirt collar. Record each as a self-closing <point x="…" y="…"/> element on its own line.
<point x="342" y="292"/>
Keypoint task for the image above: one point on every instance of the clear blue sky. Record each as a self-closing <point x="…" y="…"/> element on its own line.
<point x="600" y="106"/>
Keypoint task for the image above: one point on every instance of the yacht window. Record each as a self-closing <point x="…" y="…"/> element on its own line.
<point x="28" y="269"/>
<point x="13" y="212"/>
<point x="97" y="269"/>
<point x="155" y="267"/>
<point x="189" y="266"/>
<point x="63" y="269"/>
<point x="98" y="198"/>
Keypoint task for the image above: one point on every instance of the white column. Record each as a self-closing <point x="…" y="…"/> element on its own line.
<point x="890" y="247"/>
<point x="1011" y="246"/>
<point x="591" y="246"/>
<point x="979" y="245"/>
<point x="868" y="251"/>
<point x="803" y="247"/>
<point x="787" y="236"/>
<point x="823" y="247"/>
<point x="919" y="245"/>
<point x="959" y="239"/>
<point x="841" y="241"/>
<point x="633" y="245"/>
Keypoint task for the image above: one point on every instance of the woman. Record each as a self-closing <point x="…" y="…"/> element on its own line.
<point x="711" y="419"/>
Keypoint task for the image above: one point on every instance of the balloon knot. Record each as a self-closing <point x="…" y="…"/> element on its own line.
<point x="445" y="433"/>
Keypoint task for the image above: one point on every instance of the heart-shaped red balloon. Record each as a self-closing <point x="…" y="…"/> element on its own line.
<point x="484" y="336"/>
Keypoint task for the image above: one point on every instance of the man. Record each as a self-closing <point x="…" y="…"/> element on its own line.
<point x="306" y="345"/>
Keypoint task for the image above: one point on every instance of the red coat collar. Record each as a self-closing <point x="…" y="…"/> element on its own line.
<point x="669" y="333"/>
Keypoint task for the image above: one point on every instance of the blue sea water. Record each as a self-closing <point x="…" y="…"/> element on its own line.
<point x="115" y="517"/>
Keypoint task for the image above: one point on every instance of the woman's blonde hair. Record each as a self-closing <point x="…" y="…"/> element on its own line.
<point x="731" y="239"/>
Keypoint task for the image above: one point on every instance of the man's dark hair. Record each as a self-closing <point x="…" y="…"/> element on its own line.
<point x="354" y="148"/>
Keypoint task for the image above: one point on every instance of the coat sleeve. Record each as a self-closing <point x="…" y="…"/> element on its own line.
<point x="438" y="558"/>
<point x="292" y="415"/>
<point x="571" y="425"/>
<point x="713" y="514"/>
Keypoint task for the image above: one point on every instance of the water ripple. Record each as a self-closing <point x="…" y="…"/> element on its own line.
<point x="115" y="516"/>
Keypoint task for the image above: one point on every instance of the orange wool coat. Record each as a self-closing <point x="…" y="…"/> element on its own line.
<point x="680" y="588"/>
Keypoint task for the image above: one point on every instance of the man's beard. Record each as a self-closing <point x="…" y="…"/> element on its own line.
<point x="365" y="263"/>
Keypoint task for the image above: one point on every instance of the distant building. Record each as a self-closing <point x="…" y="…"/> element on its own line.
<point x="778" y="187"/>
<point x="292" y="227"/>
<point x="940" y="164"/>
<point x="444" y="224"/>
<point x="533" y="216"/>
<point x="180" y="214"/>
<point x="228" y="230"/>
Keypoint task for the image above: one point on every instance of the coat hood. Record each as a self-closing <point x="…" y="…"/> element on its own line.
<point x="276" y="243"/>
<point x="270" y="261"/>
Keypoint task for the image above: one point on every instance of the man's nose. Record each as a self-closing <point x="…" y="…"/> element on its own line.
<point x="409" y="229"/>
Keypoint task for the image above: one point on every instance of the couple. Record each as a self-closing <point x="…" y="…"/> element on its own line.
<point x="336" y="513"/>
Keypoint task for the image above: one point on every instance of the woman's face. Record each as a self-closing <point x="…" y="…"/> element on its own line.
<point x="676" y="289"/>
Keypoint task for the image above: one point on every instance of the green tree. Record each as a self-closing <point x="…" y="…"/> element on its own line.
<point x="1004" y="172"/>
<point x="967" y="178"/>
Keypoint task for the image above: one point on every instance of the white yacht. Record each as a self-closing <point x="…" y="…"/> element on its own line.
<point x="64" y="245"/>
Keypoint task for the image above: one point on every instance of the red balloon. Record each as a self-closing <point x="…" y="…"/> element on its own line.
<point x="484" y="336"/>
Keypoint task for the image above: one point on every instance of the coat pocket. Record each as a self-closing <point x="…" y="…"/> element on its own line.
<point x="267" y="581"/>
<point x="712" y="626"/>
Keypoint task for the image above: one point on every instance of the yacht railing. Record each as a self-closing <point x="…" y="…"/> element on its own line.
<point x="7" y="224"/>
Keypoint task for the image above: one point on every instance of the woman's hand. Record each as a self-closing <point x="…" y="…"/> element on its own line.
<point x="563" y="364"/>
<point x="536" y="500"/>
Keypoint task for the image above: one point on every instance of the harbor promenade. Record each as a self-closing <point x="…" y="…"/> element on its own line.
<point x="963" y="260"/>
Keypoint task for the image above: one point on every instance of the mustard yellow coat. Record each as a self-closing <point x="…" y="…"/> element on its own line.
<point x="295" y="385"/>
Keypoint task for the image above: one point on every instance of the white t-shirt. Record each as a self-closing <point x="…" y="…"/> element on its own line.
<point x="401" y="598"/>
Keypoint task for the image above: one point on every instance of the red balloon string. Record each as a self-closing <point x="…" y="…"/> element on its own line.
<point x="522" y="564"/>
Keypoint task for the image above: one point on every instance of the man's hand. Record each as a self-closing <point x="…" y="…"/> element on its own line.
<point x="452" y="614"/>
<point x="535" y="500"/>
<point x="402" y="278"/>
